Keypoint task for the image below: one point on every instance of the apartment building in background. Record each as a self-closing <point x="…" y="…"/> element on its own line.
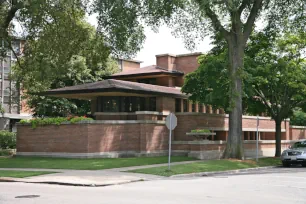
<point x="10" y="97"/>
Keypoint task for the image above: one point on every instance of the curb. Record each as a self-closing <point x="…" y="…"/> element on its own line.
<point x="230" y="172"/>
<point x="8" y="179"/>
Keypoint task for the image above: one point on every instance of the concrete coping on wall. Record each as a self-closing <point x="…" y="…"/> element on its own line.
<point x="297" y="127"/>
<point x="243" y="129"/>
<point x="111" y="122"/>
<point x="226" y="116"/>
<point x="113" y="113"/>
<point x="200" y="133"/>
<point x="200" y="142"/>
<point x="133" y="113"/>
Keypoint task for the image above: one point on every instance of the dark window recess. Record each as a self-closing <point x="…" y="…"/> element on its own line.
<point x="185" y="106"/>
<point x="152" y="104"/>
<point x="201" y="108"/>
<point x="148" y="81"/>
<point x="177" y="105"/>
<point x="110" y="104"/>
<point x="120" y="104"/>
<point x="193" y="107"/>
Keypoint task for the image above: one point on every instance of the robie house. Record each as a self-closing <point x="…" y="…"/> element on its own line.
<point x="130" y="108"/>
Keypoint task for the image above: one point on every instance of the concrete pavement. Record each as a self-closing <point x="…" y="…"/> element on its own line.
<point x="274" y="186"/>
<point x="90" y="177"/>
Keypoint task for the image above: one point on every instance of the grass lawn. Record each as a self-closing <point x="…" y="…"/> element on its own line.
<point x="83" y="164"/>
<point x="207" y="166"/>
<point x="22" y="174"/>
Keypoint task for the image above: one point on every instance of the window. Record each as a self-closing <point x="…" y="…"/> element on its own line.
<point x="202" y="108"/>
<point x="193" y="105"/>
<point x="185" y="106"/>
<point x="110" y="104"/>
<point x="124" y="104"/>
<point x="6" y="92"/>
<point x="152" y="104"/>
<point x="148" y="81"/>
<point x="177" y="105"/>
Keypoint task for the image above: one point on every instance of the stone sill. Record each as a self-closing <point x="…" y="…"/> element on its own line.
<point x="297" y="127"/>
<point x="243" y="129"/>
<point x="131" y="113"/>
<point x="226" y="115"/>
<point x="224" y="142"/>
<point x="203" y="133"/>
<point x="108" y="122"/>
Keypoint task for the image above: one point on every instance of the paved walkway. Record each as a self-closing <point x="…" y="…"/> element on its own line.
<point x="90" y="177"/>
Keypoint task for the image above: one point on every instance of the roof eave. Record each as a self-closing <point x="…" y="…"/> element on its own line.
<point x="57" y="93"/>
<point x="145" y="74"/>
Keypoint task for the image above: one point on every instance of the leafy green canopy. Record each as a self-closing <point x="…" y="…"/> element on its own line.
<point x="274" y="77"/>
<point x="61" y="49"/>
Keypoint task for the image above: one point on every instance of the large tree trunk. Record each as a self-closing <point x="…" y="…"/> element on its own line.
<point x="234" y="147"/>
<point x="278" y="138"/>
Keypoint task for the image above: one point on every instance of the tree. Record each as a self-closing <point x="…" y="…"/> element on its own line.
<point x="46" y="65"/>
<point x="274" y="79"/>
<point x="62" y="49"/>
<point x="279" y="79"/>
<point x="233" y="20"/>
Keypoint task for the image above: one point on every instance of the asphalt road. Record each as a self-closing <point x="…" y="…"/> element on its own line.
<point x="268" y="186"/>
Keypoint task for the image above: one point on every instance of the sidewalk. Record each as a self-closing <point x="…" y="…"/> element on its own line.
<point x="89" y="177"/>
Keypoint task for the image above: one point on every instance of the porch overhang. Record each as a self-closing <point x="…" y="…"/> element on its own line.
<point x="113" y="87"/>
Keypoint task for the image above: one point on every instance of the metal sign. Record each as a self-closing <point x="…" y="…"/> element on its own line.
<point x="171" y="123"/>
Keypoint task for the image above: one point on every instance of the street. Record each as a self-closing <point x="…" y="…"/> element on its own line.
<point x="272" y="186"/>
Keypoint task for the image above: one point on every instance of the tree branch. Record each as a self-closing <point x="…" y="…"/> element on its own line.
<point x="243" y="6"/>
<point x="216" y="23"/>
<point x="266" y="103"/>
<point x="251" y="19"/>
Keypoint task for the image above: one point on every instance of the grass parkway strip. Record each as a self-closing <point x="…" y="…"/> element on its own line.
<point x="22" y="174"/>
<point x="209" y="166"/>
<point x="84" y="164"/>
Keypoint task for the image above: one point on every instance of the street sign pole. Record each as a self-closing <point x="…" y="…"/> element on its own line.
<point x="170" y="132"/>
<point x="171" y="123"/>
<point x="257" y="139"/>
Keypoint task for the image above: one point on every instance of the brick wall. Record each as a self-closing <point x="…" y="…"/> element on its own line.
<point x="127" y="65"/>
<point x="183" y="63"/>
<point x="190" y="121"/>
<point x="215" y="150"/>
<point x="52" y="138"/>
<point x="130" y="138"/>
<point x="297" y="133"/>
<point x="165" y="104"/>
<point x="187" y="64"/>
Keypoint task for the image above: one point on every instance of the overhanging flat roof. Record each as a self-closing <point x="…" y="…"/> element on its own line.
<point x="146" y="71"/>
<point x="114" y="87"/>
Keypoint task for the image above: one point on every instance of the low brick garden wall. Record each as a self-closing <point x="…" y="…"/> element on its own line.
<point x="215" y="149"/>
<point x="94" y="139"/>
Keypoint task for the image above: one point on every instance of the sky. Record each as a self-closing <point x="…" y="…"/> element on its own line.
<point x="161" y="43"/>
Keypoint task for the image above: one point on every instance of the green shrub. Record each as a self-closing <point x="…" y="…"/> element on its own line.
<point x="6" y="152"/>
<point x="298" y="118"/>
<point x="7" y="140"/>
<point x="53" y="121"/>
<point x="200" y="131"/>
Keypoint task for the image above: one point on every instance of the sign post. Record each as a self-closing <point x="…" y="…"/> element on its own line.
<point x="171" y="123"/>
<point x="257" y="139"/>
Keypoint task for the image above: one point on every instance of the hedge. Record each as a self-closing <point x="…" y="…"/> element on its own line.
<point x="54" y="121"/>
<point x="7" y="140"/>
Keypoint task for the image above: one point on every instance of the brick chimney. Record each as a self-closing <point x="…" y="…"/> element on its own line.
<point x="166" y="61"/>
<point x="185" y="62"/>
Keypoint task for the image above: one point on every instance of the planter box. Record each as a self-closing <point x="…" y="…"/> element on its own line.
<point x="201" y="136"/>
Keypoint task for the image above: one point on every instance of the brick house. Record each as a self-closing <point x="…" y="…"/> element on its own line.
<point x="130" y="109"/>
